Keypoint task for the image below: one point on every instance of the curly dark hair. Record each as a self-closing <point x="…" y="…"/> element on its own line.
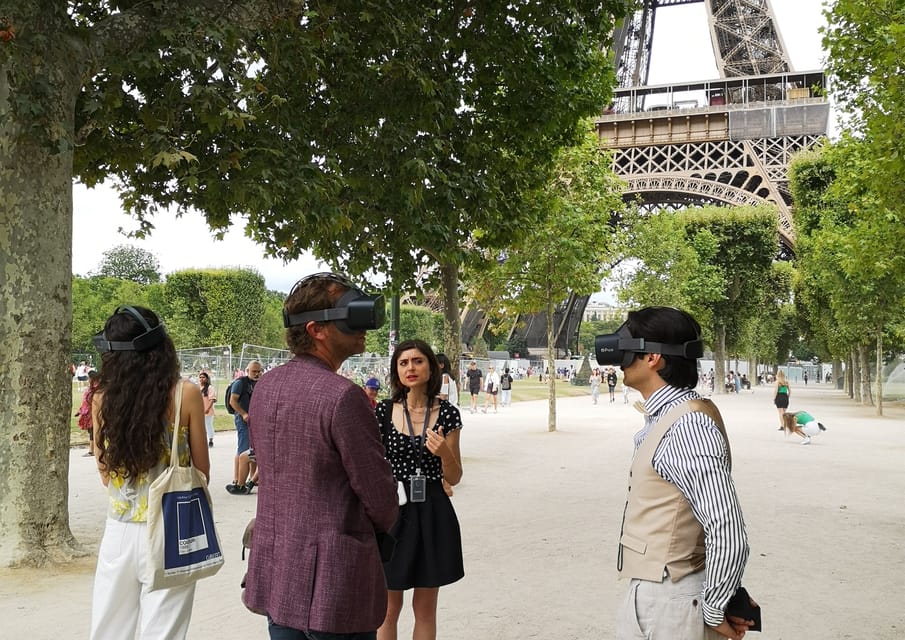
<point x="433" y="384"/>
<point x="135" y="392"/>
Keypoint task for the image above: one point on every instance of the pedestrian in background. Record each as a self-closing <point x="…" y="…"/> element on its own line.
<point x="208" y="397"/>
<point x="240" y="392"/>
<point x="492" y="388"/>
<point x="611" y="381"/>
<point x="85" y="421"/>
<point x="803" y="424"/>
<point x="372" y="388"/>
<point x="475" y="376"/>
<point x="595" y="381"/>
<point x="449" y="391"/>
<point x="781" y="397"/>
<point x="505" y="388"/>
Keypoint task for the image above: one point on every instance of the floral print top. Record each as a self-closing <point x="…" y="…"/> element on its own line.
<point x="128" y="499"/>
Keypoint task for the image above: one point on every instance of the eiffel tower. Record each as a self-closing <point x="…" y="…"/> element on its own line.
<point x="724" y="141"/>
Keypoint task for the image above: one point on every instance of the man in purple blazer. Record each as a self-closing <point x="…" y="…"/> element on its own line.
<point x="326" y="488"/>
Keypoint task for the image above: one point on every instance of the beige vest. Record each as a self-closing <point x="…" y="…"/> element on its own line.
<point x="659" y="530"/>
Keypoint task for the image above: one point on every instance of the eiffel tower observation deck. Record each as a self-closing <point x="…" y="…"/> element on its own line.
<point x="725" y="141"/>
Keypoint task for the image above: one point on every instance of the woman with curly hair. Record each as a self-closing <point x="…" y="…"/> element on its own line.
<point x="133" y="416"/>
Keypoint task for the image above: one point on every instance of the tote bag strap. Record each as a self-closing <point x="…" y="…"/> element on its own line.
<point x="174" y="446"/>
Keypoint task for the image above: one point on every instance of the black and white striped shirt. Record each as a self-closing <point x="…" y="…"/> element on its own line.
<point x="693" y="456"/>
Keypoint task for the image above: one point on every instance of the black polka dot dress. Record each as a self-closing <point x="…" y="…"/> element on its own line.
<point x="428" y="541"/>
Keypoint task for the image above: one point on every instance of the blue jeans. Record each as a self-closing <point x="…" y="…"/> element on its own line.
<point x="279" y="632"/>
<point x="242" y="433"/>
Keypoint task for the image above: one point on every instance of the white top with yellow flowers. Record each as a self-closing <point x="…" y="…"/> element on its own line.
<point x="129" y="498"/>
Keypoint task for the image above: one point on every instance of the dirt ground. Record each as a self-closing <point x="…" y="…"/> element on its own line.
<point x="540" y="515"/>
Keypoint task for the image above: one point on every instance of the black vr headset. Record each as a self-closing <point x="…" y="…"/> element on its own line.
<point x="620" y="348"/>
<point x="354" y="312"/>
<point x="146" y="341"/>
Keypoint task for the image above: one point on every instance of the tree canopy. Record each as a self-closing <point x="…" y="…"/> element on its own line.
<point x="128" y="262"/>
<point x="714" y="262"/>
<point x="379" y="136"/>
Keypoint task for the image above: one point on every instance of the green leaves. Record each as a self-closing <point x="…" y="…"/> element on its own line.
<point x="711" y="261"/>
<point x="171" y="158"/>
<point x="128" y="262"/>
<point x="567" y="245"/>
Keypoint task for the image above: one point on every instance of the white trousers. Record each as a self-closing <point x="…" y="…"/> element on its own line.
<point x="810" y="428"/>
<point x="209" y="426"/>
<point x="664" y="611"/>
<point x="122" y="604"/>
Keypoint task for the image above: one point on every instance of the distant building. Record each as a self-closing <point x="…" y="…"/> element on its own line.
<point x="596" y="310"/>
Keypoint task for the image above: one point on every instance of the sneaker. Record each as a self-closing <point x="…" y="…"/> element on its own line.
<point x="807" y="440"/>
<point x="251" y="484"/>
<point x="210" y="443"/>
<point x="236" y="489"/>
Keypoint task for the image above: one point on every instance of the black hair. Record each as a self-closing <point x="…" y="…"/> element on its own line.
<point x="436" y="377"/>
<point x="135" y="398"/>
<point x="444" y="363"/>
<point x="668" y="326"/>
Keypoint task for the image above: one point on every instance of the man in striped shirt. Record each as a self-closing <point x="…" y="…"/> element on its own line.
<point x="683" y="541"/>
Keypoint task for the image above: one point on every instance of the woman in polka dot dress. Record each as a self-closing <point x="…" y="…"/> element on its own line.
<point x="421" y="436"/>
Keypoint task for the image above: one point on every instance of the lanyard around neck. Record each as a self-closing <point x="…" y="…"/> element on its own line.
<point x="418" y="442"/>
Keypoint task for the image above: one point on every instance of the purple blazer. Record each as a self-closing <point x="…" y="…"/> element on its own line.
<point x="325" y="488"/>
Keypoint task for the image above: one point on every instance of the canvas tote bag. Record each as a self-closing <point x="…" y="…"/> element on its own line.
<point x="183" y="545"/>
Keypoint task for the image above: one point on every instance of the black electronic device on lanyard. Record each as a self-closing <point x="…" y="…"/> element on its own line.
<point x="417" y="482"/>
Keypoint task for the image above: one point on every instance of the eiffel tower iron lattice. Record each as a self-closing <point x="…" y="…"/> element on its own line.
<point x="726" y="141"/>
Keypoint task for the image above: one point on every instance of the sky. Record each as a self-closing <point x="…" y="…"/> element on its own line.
<point x="681" y="52"/>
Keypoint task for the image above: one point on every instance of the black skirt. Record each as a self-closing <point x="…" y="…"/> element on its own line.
<point x="781" y="400"/>
<point x="428" y="544"/>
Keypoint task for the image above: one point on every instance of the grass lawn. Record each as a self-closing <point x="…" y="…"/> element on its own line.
<point x="532" y="390"/>
<point x="521" y="390"/>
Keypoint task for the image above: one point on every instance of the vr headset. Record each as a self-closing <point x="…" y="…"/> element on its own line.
<point x="620" y="348"/>
<point x="354" y="312"/>
<point x="146" y="341"/>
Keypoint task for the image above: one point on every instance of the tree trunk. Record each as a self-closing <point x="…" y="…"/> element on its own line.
<point x="452" y="322"/>
<point x="854" y="376"/>
<point x="879" y="369"/>
<point x="864" y="365"/>
<point x="551" y="379"/>
<point x="719" y="359"/>
<point x="35" y="327"/>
